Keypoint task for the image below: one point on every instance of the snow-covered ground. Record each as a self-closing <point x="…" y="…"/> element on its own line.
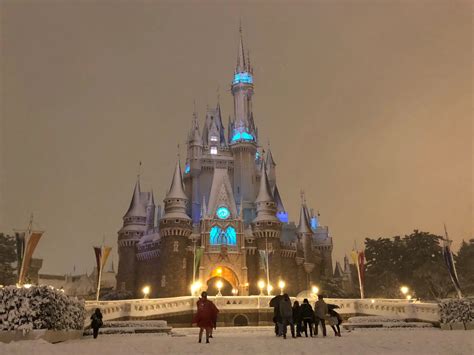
<point x="257" y="341"/>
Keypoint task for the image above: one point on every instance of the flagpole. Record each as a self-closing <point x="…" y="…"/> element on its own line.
<point x="268" y="270"/>
<point x="448" y="243"/>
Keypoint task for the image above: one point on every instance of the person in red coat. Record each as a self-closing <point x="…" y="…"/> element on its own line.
<point x="206" y="316"/>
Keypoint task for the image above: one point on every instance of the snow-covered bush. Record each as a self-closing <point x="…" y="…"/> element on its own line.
<point x="39" y="307"/>
<point x="456" y="310"/>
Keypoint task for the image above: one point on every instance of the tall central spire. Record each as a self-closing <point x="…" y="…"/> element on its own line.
<point x="241" y="63"/>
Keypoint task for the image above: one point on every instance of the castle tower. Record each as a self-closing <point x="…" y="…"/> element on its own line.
<point x="175" y="228"/>
<point x="150" y="214"/>
<point x="243" y="135"/>
<point x="305" y="235"/>
<point x="193" y="169"/>
<point x="267" y="229"/>
<point x="134" y="226"/>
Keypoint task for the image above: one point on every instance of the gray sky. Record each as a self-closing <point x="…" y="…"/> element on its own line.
<point x="368" y="107"/>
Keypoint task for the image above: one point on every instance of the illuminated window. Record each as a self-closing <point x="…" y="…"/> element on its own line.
<point x="223" y="213"/>
<point x="257" y="155"/>
<point x="213" y="150"/>
<point x="242" y="136"/>
<point x="214" y="139"/>
<point x="243" y="78"/>
<point x="187" y="168"/>
<point x="219" y="236"/>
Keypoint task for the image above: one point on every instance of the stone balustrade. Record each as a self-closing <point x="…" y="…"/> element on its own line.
<point x="166" y="307"/>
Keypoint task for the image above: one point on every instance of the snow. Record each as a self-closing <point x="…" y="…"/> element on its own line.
<point x="259" y="340"/>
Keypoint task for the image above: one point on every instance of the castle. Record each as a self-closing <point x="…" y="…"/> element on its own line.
<point x="223" y="218"/>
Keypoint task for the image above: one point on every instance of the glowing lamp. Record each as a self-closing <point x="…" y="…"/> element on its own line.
<point x="146" y="291"/>
<point x="219" y="285"/>
<point x="372" y="300"/>
<point x="269" y="289"/>
<point x="219" y="271"/>
<point x="281" y="285"/>
<point x="235" y="291"/>
<point x="408" y="297"/>
<point x="404" y="290"/>
<point x="261" y="286"/>
<point x="27" y="285"/>
<point x="314" y="290"/>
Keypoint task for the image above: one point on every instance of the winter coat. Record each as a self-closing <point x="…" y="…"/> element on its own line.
<point x="96" y="319"/>
<point x="206" y="315"/>
<point x="307" y="311"/>
<point x="321" y="309"/>
<point x="297" y="314"/>
<point x="286" y="311"/>
<point x="275" y="303"/>
<point x="337" y="316"/>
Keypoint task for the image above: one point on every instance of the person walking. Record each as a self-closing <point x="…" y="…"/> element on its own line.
<point x="320" y="312"/>
<point x="297" y="317"/>
<point x="335" y="319"/>
<point x="275" y="303"/>
<point x="96" y="322"/>
<point x="286" y="313"/>
<point x="206" y="316"/>
<point x="307" y="315"/>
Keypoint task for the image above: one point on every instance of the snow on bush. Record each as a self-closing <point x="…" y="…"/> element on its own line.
<point x="39" y="307"/>
<point x="456" y="310"/>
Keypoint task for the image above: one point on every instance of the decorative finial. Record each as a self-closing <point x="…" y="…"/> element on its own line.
<point x="139" y="172"/>
<point x="178" y="154"/>
<point x="303" y="198"/>
<point x="218" y="95"/>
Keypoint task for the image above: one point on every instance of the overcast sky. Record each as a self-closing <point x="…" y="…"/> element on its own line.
<point x="367" y="105"/>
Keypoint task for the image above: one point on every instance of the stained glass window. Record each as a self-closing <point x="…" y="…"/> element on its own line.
<point x="219" y="236"/>
<point x="187" y="168"/>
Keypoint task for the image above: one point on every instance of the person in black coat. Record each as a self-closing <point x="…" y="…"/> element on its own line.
<point x="335" y="319"/>
<point x="297" y="317"/>
<point x="275" y="303"/>
<point x="307" y="315"/>
<point x="96" y="322"/>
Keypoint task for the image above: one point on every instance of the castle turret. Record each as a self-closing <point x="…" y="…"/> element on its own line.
<point x="192" y="169"/>
<point x="150" y="214"/>
<point x="305" y="235"/>
<point x="134" y="226"/>
<point x="175" y="228"/>
<point x="267" y="229"/>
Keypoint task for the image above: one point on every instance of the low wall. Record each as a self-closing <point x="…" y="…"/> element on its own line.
<point x="178" y="311"/>
<point x="52" y="336"/>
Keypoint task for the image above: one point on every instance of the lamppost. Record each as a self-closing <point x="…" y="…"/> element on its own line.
<point x="219" y="285"/>
<point x="146" y="291"/>
<point x="281" y="285"/>
<point x="261" y="286"/>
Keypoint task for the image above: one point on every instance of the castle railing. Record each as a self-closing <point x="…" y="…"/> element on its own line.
<point x="152" y="308"/>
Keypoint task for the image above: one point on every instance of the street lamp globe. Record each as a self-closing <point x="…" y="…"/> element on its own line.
<point x="281" y="285"/>
<point x="261" y="286"/>
<point x="219" y="285"/>
<point x="146" y="291"/>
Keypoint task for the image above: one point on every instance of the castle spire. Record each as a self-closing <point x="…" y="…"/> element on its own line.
<point x="304" y="227"/>
<point x="264" y="194"/>
<point x="176" y="189"/>
<point x="136" y="208"/>
<point x="241" y="63"/>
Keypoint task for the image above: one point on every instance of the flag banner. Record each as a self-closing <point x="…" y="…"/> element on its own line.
<point x="98" y="256"/>
<point x="448" y="258"/>
<point x="20" y="250"/>
<point x="30" y="247"/>
<point x="361" y="260"/>
<point x="105" y="255"/>
<point x="263" y="260"/>
<point x="199" y="252"/>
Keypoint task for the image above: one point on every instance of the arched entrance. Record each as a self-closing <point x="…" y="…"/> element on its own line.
<point x="227" y="276"/>
<point x="212" y="290"/>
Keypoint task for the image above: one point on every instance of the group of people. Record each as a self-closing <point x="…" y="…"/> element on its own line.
<point x="303" y="316"/>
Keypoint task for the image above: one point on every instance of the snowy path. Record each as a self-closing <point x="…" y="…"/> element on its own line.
<point x="257" y="341"/>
